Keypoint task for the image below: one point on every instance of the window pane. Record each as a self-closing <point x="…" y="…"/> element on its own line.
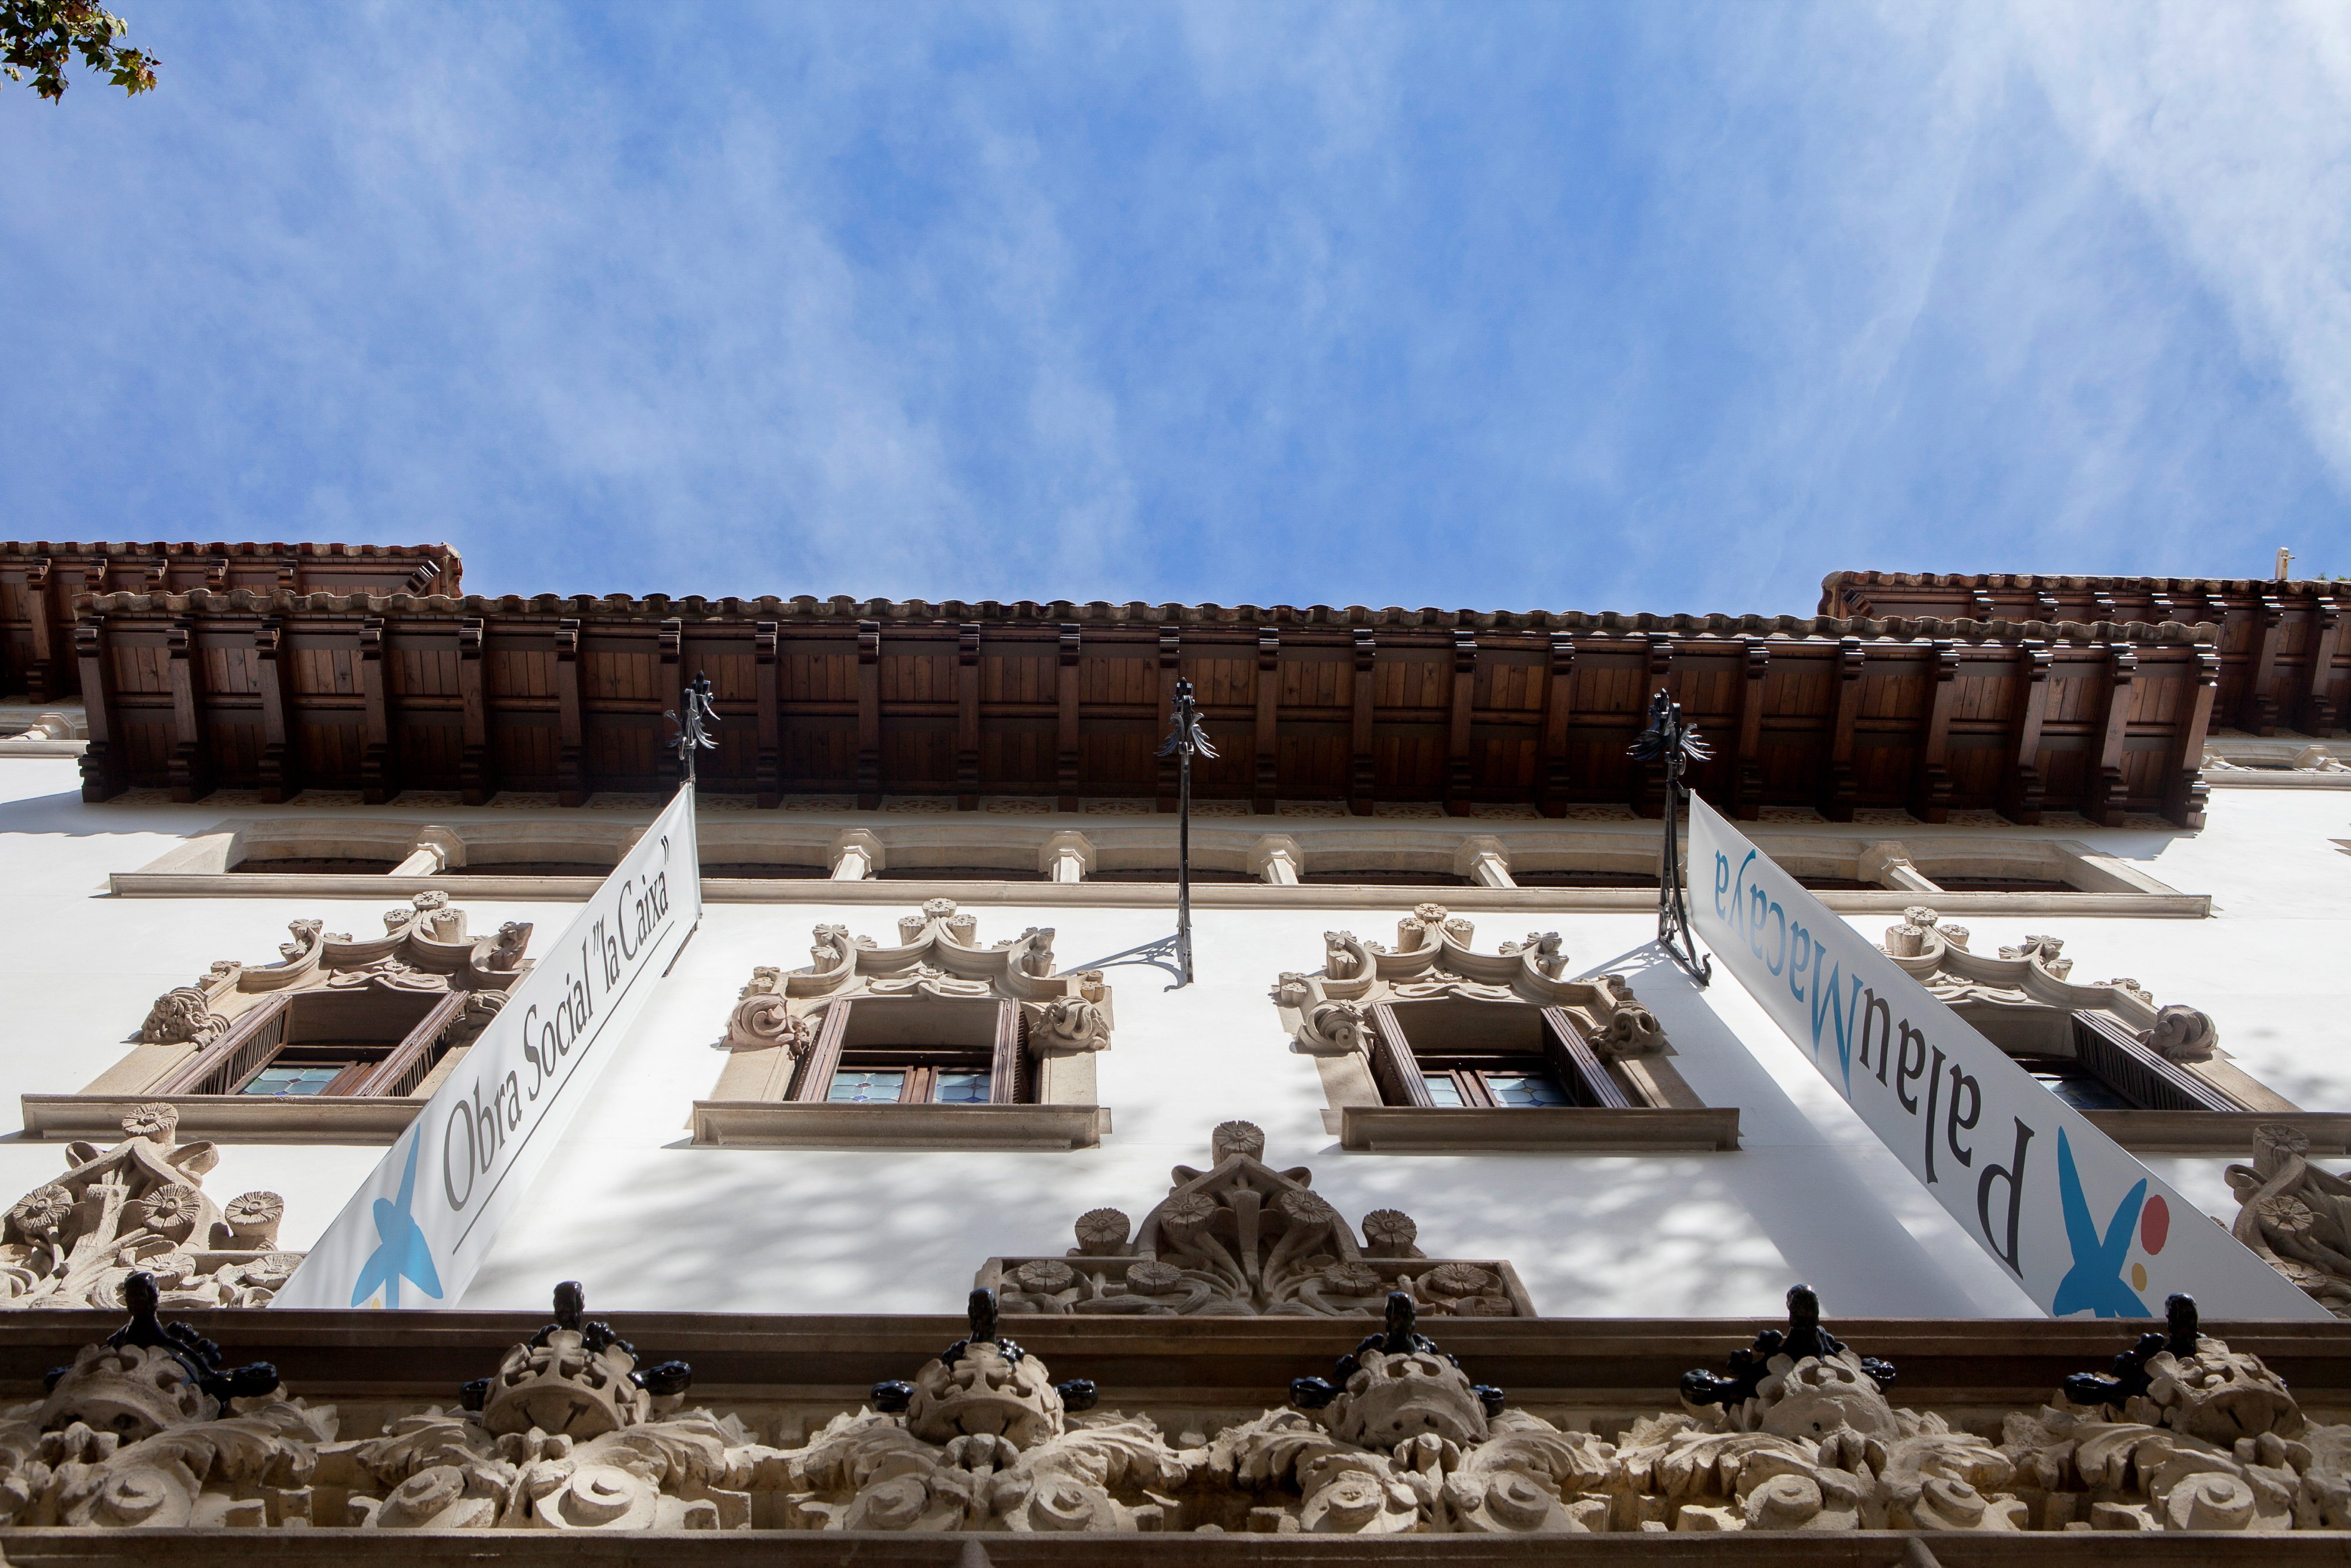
<point x="867" y="1088"/>
<point x="959" y="1087"/>
<point x="1525" y="1089"/>
<point x="1442" y="1090"/>
<point x="292" y="1080"/>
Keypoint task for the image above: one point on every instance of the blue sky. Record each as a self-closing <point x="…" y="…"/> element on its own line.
<point x="1629" y="306"/>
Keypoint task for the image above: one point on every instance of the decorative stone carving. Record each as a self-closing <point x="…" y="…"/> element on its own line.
<point x="570" y="1434"/>
<point x="1400" y="1440"/>
<point x="140" y="1206"/>
<point x="150" y="1429"/>
<point x="2294" y="1216"/>
<point x="1798" y="1436"/>
<point x="426" y="948"/>
<point x="984" y="1439"/>
<point x="2034" y="975"/>
<point x="2183" y="1434"/>
<point x="180" y="1015"/>
<point x="1329" y="1013"/>
<point x="1242" y="1239"/>
<point x="937" y="956"/>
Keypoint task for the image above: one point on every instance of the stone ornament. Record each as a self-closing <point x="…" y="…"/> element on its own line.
<point x="140" y="1206"/>
<point x="570" y="1434"/>
<point x="2034" y="974"/>
<point x="424" y="947"/>
<point x="1329" y="1013"/>
<point x="148" y="1428"/>
<point x="2295" y="1216"/>
<point x="1243" y="1239"/>
<point x="937" y="956"/>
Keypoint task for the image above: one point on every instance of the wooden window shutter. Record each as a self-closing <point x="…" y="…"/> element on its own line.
<point x="412" y="1060"/>
<point x="817" y="1068"/>
<point x="2139" y="1072"/>
<point x="1393" y="1066"/>
<point x="1579" y="1066"/>
<point x="244" y="1046"/>
<point x="1009" y="1067"/>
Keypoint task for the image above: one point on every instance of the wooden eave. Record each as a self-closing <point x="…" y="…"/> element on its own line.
<point x="281" y="691"/>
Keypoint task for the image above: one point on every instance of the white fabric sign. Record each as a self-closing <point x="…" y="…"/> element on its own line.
<point x="417" y="1230"/>
<point x="2079" y="1223"/>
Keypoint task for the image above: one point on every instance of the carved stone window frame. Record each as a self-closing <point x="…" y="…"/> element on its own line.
<point x="785" y="1039"/>
<point x="2118" y="1032"/>
<point x="216" y="1032"/>
<point x="1597" y="1037"/>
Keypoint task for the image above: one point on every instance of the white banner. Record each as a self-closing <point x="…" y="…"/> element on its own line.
<point x="417" y="1230"/>
<point x="2078" y="1222"/>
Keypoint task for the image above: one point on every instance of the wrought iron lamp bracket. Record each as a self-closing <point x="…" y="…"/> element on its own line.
<point x="1674" y="741"/>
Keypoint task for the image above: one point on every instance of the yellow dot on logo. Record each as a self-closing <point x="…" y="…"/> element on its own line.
<point x="2138" y="1276"/>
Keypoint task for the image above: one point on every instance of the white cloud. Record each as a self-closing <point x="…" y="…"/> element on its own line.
<point x="2232" y="123"/>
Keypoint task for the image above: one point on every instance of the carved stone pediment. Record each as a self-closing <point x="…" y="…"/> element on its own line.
<point x="424" y="947"/>
<point x="937" y="956"/>
<point x="1241" y="1239"/>
<point x="141" y="1206"/>
<point x="2035" y="975"/>
<point x="1329" y="1013"/>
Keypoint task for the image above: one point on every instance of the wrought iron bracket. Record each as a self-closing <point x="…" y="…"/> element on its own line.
<point x="694" y="732"/>
<point x="1674" y="741"/>
<point x="1186" y="739"/>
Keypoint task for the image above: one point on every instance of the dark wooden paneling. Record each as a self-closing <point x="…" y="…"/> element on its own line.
<point x="488" y="695"/>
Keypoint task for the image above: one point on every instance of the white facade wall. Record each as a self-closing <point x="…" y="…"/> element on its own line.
<point x="650" y="1222"/>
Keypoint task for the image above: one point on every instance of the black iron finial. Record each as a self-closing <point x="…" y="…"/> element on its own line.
<point x="570" y="1302"/>
<point x="980" y="1309"/>
<point x="1398" y="1336"/>
<point x="2180" y="1318"/>
<point x="694" y="731"/>
<point x="1804" y="1336"/>
<point x="202" y="1357"/>
<point x="1673" y="741"/>
<point x="892" y="1395"/>
<point x="2126" y="1376"/>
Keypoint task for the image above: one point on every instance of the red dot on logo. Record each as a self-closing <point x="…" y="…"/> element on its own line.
<point x="2154" y="1224"/>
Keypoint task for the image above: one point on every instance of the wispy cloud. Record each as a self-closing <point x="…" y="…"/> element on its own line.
<point x="1583" y="307"/>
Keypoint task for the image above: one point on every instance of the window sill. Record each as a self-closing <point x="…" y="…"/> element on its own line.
<point x="228" y="1118"/>
<point x="815" y="1124"/>
<point x="2218" y="1132"/>
<point x="1413" y="1130"/>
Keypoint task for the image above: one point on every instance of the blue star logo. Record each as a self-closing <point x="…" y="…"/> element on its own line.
<point x="402" y="1253"/>
<point x="2095" y="1282"/>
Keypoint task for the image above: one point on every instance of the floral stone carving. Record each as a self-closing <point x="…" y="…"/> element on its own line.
<point x="2294" y="1216"/>
<point x="141" y="1206"/>
<point x="1242" y="1239"/>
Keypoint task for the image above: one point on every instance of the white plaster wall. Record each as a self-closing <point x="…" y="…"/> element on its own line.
<point x="650" y="1222"/>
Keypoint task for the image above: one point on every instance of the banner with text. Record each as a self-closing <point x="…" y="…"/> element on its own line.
<point x="418" y="1230"/>
<point x="2079" y="1223"/>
